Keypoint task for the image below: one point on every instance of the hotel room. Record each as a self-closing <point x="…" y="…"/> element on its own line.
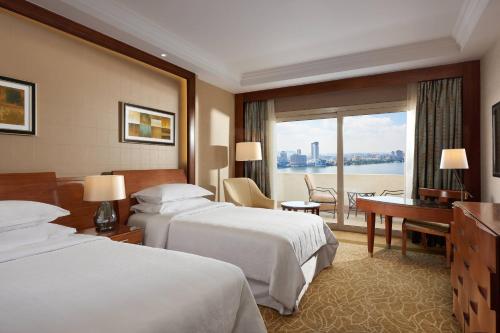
<point x="249" y="166"/>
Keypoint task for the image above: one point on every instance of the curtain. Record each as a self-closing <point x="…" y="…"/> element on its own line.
<point x="438" y="126"/>
<point x="411" y="107"/>
<point x="256" y="117"/>
<point x="271" y="150"/>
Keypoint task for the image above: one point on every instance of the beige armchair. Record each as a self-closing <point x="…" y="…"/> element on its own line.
<point x="325" y="196"/>
<point x="244" y="192"/>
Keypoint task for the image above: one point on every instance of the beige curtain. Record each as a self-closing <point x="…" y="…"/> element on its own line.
<point x="256" y="122"/>
<point x="411" y="107"/>
<point x="438" y="126"/>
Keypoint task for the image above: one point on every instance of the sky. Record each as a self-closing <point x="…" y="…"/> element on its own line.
<point x="362" y="134"/>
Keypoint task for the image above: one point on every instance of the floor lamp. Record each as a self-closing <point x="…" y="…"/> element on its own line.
<point x="455" y="159"/>
<point x="248" y="151"/>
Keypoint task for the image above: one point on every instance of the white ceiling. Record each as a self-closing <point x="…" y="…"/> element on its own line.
<point x="244" y="45"/>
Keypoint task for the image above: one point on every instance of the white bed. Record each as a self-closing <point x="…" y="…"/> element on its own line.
<point x="279" y="252"/>
<point x="91" y="284"/>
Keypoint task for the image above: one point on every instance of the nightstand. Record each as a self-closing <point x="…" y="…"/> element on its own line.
<point x="122" y="233"/>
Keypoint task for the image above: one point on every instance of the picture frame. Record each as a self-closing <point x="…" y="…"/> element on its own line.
<point x="17" y="107"/>
<point x="496" y="139"/>
<point x="140" y="124"/>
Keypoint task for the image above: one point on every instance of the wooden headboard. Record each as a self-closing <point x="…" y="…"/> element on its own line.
<point x="41" y="186"/>
<point x="70" y="197"/>
<point x="45" y="187"/>
<point x="136" y="180"/>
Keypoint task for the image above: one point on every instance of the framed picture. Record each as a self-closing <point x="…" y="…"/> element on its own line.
<point x="140" y="124"/>
<point x="17" y="107"/>
<point x="496" y="139"/>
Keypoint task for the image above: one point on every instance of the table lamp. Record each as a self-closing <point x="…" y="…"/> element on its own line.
<point x="455" y="159"/>
<point x="104" y="189"/>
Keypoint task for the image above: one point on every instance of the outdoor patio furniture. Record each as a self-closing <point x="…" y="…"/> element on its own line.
<point x="352" y="196"/>
<point x="325" y="196"/>
<point x="391" y="193"/>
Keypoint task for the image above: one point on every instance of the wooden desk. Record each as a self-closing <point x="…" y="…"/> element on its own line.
<point x="400" y="207"/>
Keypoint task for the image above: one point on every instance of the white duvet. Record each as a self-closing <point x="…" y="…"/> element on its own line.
<point x="270" y="246"/>
<point x="92" y="284"/>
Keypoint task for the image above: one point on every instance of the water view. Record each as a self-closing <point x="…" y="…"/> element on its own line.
<point x="393" y="168"/>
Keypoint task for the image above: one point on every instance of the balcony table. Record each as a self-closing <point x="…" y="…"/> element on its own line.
<point x="305" y="206"/>
<point x="390" y="207"/>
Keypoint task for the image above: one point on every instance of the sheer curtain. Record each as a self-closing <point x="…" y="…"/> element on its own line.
<point x="411" y="107"/>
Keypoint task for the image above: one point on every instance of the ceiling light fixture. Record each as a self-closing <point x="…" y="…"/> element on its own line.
<point x="163" y="55"/>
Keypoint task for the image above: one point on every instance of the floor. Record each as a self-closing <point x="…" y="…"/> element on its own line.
<point x="386" y="293"/>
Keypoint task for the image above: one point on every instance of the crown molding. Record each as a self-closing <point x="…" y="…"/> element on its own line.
<point x="159" y="39"/>
<point x="369" y="59"/>
<point x="469" y="17"/>
<point x="117" y="20"/>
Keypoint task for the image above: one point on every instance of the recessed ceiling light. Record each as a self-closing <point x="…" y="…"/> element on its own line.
<point x="163" y="55"/>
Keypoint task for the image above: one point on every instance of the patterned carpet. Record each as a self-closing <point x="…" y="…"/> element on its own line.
<point x="386" y="293"/>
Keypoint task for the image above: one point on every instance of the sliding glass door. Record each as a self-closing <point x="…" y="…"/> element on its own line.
<point x="348" y="153"/>
<point x="305" y="147"/>
<point x="374" y="147"/>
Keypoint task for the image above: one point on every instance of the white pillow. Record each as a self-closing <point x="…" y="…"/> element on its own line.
<point x="15" y="214"/>
<point x="32" y="234"/>
<point x="171" y="206"/>
<point x="170" y="192"/>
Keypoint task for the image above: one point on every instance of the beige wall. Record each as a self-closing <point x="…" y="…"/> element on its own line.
<point x="79" y="86"/>
<point x="490" y="94"/>
<point x="215" y="136"/>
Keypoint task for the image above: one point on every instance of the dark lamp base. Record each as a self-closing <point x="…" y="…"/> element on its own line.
<point x="105" y="217"/>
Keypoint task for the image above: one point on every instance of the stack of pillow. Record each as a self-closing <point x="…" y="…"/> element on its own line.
<point x="170" y="198"/>
<point x="27" y="222"/>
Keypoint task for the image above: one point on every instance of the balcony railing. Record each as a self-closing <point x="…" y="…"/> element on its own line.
<point x="291" y="186"/>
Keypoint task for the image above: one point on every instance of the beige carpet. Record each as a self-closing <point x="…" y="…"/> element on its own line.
<point x="387" y="293"/>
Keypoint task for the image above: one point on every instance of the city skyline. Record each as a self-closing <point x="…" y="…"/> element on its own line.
<point x="362" y="134"/>
<point x="298" y="160"/>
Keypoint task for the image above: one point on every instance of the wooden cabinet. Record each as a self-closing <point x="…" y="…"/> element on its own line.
<point x="475" y="279"/>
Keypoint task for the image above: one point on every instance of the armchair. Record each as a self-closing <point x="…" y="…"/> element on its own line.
<point x="244" y="192"/>
<point x="325" y="196"/>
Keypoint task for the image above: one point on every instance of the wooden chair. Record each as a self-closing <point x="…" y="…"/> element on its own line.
<point x="325" y="196"/>
<point x="432" y="228"/>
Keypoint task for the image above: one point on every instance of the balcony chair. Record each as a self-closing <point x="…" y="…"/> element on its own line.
<point x="353" y="205"/>
<point x="325" y="196"/>
<point x="244" y="192"/>
<point x="391" y="193"/>
<point x="432" y="228"/>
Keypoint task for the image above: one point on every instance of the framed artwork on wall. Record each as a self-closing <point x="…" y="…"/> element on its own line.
<point x="141" y="124"/>
<point x="17" y="107"/>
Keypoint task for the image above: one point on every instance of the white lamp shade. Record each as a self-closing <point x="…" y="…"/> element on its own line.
<point x="454" y="159"/>
<point x="248" y="151"/>
<point x="104" y="188"/>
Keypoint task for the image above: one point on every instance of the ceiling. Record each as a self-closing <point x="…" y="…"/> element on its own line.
<point x="245" y="45"/>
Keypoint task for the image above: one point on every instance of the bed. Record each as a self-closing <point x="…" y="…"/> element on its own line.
<point x="81" y="283"/>
<point x="279" y="252"/>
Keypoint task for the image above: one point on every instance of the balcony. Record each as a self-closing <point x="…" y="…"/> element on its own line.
<point x="291" y="186"/>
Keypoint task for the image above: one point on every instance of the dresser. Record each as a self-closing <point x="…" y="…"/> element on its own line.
<point x="475" y="278"/>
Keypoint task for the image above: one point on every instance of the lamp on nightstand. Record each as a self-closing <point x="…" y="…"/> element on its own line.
<point x="104" y="189"/>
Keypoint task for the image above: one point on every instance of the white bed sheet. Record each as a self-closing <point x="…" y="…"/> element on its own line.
<point x="270" y="246"/>
<point x="92" y="284"/>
